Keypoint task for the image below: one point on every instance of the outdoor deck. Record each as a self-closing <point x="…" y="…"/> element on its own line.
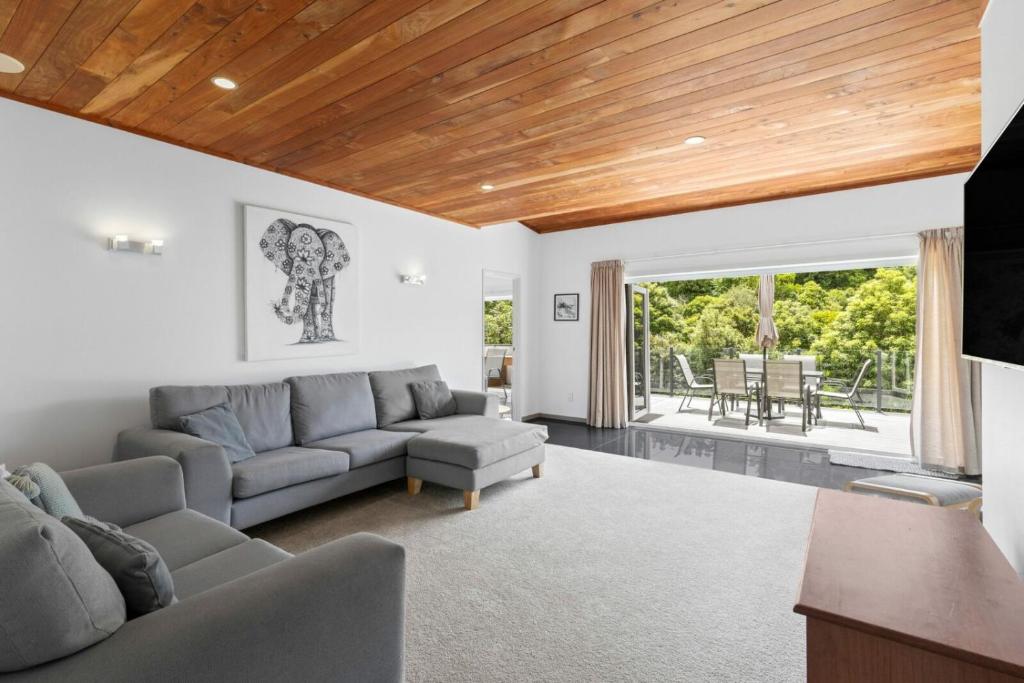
<point x="838" y="430"/>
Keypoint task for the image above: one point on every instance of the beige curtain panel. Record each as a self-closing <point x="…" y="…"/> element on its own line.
<point x="607" y="400"/>
<point x="946" y="413"/>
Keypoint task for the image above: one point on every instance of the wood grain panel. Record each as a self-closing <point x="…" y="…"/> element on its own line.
<point x="574" y="109"/>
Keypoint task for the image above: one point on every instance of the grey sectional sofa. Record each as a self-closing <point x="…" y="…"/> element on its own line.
<point x="246" y="610"/>
<point x="323" y="436"/>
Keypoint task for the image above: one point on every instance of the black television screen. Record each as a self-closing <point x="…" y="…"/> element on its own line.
<point x="994" y="251"/>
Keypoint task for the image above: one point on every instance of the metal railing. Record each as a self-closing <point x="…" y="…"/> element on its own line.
<point x="888" y="385"/>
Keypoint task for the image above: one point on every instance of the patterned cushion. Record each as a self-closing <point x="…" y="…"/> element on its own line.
<point x="25" y="485"/>
<point x="54" y="496"/>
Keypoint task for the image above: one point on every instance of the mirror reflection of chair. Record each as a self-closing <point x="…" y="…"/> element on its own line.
<point x="694" y="383"/>
<point x="784" y="380"/>
<point x="730" y="382"/>
<point x="494" y="363"/>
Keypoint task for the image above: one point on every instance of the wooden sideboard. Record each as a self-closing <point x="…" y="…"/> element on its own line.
<point x="894" y="591"/>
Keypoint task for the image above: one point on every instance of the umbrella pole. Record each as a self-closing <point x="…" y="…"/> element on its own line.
<point x="764" y="382"/>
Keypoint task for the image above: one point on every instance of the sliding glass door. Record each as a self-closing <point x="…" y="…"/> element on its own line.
<point x="638" y="351"/>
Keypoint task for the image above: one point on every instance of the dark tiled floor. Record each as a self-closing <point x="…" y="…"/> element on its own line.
<point x="800" y="466"/>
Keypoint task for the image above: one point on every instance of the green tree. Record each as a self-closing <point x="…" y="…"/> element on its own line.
<point x="498" y="322"/>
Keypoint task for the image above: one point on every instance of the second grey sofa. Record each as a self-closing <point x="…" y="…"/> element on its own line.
<point x="246" y="610"/>
<point x="316" y="438"/>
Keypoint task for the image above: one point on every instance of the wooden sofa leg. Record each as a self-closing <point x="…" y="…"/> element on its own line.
<point x="538" y="471"/>
<point x="471" y="499"/>
<point x="413" y="485"/>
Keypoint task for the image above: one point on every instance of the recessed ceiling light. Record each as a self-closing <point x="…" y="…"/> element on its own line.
<point x="10" y="65"/>
<point x="694" y="140"/>
<point x="222" y="82"/>
<point x="486" y="187"/>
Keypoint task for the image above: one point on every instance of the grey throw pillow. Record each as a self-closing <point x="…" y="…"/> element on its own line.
<point x="137" y="568"/>
<point x="57" y="599"/>
<point x="219" y="425"/>
<point x="433" y="399"/>
<point x="54" y="497"/>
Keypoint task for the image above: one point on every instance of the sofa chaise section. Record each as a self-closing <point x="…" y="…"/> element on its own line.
<point x="337" y="612"/>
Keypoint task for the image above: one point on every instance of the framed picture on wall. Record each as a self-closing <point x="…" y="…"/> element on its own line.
<point x="567" y="307"/>
<point x="301" y="285"/>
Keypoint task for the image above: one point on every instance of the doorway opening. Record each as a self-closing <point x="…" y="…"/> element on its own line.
<point x="501" y="340"/>
<point x="851" y="331"/>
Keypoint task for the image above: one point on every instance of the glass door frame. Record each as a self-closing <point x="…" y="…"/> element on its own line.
<point x="635" y="413"/>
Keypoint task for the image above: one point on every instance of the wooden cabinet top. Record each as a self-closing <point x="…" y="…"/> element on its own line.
<point x="922" y="575"/>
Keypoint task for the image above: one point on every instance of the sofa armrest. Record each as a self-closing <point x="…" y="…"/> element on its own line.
<point x="475" y="403"/>
<point x="128" y="492"/>
<point x="334" y="613"/>
<point x="204" y="465"/>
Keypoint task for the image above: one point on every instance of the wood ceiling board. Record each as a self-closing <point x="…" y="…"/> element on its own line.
<point x="574" y="109"/>
<point x="896" y="170"/>
<point x="589" y="128"/>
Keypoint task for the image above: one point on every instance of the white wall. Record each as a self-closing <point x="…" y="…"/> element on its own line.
<point x="1002" y="431"/>
<point x="87" y="332"/>
<point x="865" y="216"/>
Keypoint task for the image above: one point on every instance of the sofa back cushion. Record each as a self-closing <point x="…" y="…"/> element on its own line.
<point x="329" y="405"/>
<point x="167" y="404"/>
<point x="392" y="396"/>
<point x="57" y="599"/>
<point x="263" y="410"/>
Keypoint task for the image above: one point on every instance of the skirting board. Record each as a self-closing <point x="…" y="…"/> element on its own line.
<point x="560" y="418"/>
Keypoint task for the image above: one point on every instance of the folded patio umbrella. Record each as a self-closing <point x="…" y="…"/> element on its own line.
<point x="767" y="333"/>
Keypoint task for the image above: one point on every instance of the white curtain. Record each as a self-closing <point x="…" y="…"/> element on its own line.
<point x="946" y="412"/>
<point x="607" y="399"/>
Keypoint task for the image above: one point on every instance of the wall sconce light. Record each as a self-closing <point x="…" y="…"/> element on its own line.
<point x="122" y="243"/>
<point x="413" y="279"/>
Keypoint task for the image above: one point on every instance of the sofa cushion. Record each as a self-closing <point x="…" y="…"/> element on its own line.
<point x="218" y="425"/>
<point x="392" y="396"/>
<point x="227" y="565"/>
<point x="367" y="447"/>
<point x="56" y="599"/>
<point x="54" y="497"/>
<point x="479" y="445"/>
<point x="285" y="467"/>
<point x="421" y="426"/>
<point x="433" y="399"/>
<point x="185" y="536"/>
<point x="168" y="403"/>
<point x="329" y="405"/>
<point x="136" y="567"/>
<point x="264" y="411"/>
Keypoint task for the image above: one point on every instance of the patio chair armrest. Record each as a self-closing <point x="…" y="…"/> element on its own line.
<point x="841" y="383"/>
<point x="704" y="378"/>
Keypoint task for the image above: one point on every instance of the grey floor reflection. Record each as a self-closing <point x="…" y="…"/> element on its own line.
<point x="811" y="467"/>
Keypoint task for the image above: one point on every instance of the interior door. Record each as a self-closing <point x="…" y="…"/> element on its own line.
<point x="638" y="351"/>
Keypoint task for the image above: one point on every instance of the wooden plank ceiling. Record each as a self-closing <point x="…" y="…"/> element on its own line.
<point x="574" y="110"/>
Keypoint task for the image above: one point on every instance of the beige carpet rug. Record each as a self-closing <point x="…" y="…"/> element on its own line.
<point x="606" y="569"/>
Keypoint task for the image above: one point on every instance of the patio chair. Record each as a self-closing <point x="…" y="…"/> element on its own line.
<point x="494" y="363"/>
<point x="845" y="393"/>
<point x="694" y="383"/>
<point x="784" y="379"/>
<point x="754" y="361"/>
<point x="730" y="382"/>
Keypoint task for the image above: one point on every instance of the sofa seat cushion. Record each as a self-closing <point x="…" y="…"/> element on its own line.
<point x="368" y="446"/>
<point x="478" y="445"/>
<point x="327" y="405"/>
<point x="456" y="421"/>
<point x="285" y="467"/>
<point x="227" y="565"/>
<point x="392" y="396"/>
<point x="185" y="536"/>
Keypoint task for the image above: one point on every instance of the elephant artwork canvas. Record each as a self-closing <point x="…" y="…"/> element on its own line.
<point x="301" y="286"/>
